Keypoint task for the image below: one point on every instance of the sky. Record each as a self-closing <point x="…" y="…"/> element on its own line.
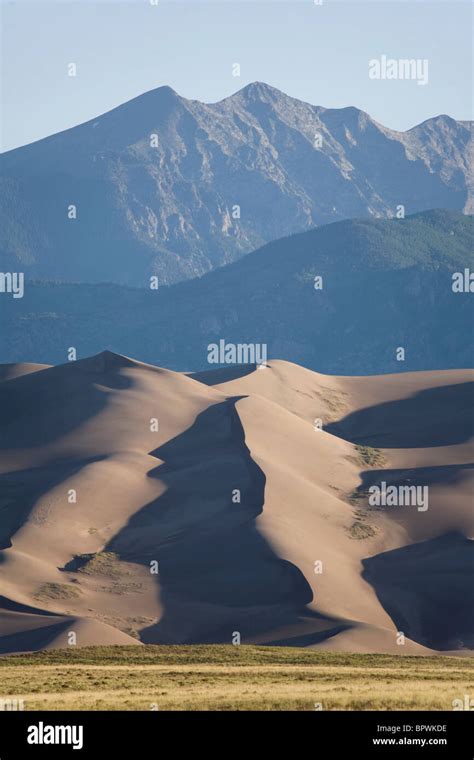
<point x="318" y="53"/>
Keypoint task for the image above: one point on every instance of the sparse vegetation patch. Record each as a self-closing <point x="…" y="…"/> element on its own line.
<point x="52" y="591"/>
<point x="370" y="457"/>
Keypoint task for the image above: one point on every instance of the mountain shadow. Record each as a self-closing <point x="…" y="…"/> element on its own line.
<point x="448" y="475"/>
<point x="433" y="417"/>
<point x="20" y="490"/>
<point x="41" y="407"/>
<point x="217" y="573"/>
<point x="427" y="590"/>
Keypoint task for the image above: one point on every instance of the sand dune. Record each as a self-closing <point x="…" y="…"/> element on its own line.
<point x="140" y="504"/>
<point x="10" y="371"/>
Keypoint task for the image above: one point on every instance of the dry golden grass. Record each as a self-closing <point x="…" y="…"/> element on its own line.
<point x="51" y="591"/>
<point x="232" y="678"/>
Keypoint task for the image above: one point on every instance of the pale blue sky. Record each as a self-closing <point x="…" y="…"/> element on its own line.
<point x="317" y="53"/>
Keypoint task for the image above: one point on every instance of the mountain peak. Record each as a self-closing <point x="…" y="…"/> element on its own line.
<point x="163" y="91"/>
<point x="259" y="91"/>
<point x="161" y="95"/>
<point x="155" y="178"/>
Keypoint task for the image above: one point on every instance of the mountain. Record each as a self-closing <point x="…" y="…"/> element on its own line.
<point x="386" y="284"/>
<point x="155" y="183"/>
<point x="143" y="505"/>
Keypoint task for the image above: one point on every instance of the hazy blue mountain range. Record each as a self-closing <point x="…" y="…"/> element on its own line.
<point x="155" y="183"/>
<point x="386" y="284"/>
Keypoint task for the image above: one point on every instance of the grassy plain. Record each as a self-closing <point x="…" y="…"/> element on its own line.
<point x="231" y="678"/>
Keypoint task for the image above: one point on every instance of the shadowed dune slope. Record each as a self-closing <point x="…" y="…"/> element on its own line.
<point x="143" y="505"/>
<point x="10" y="371"/>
